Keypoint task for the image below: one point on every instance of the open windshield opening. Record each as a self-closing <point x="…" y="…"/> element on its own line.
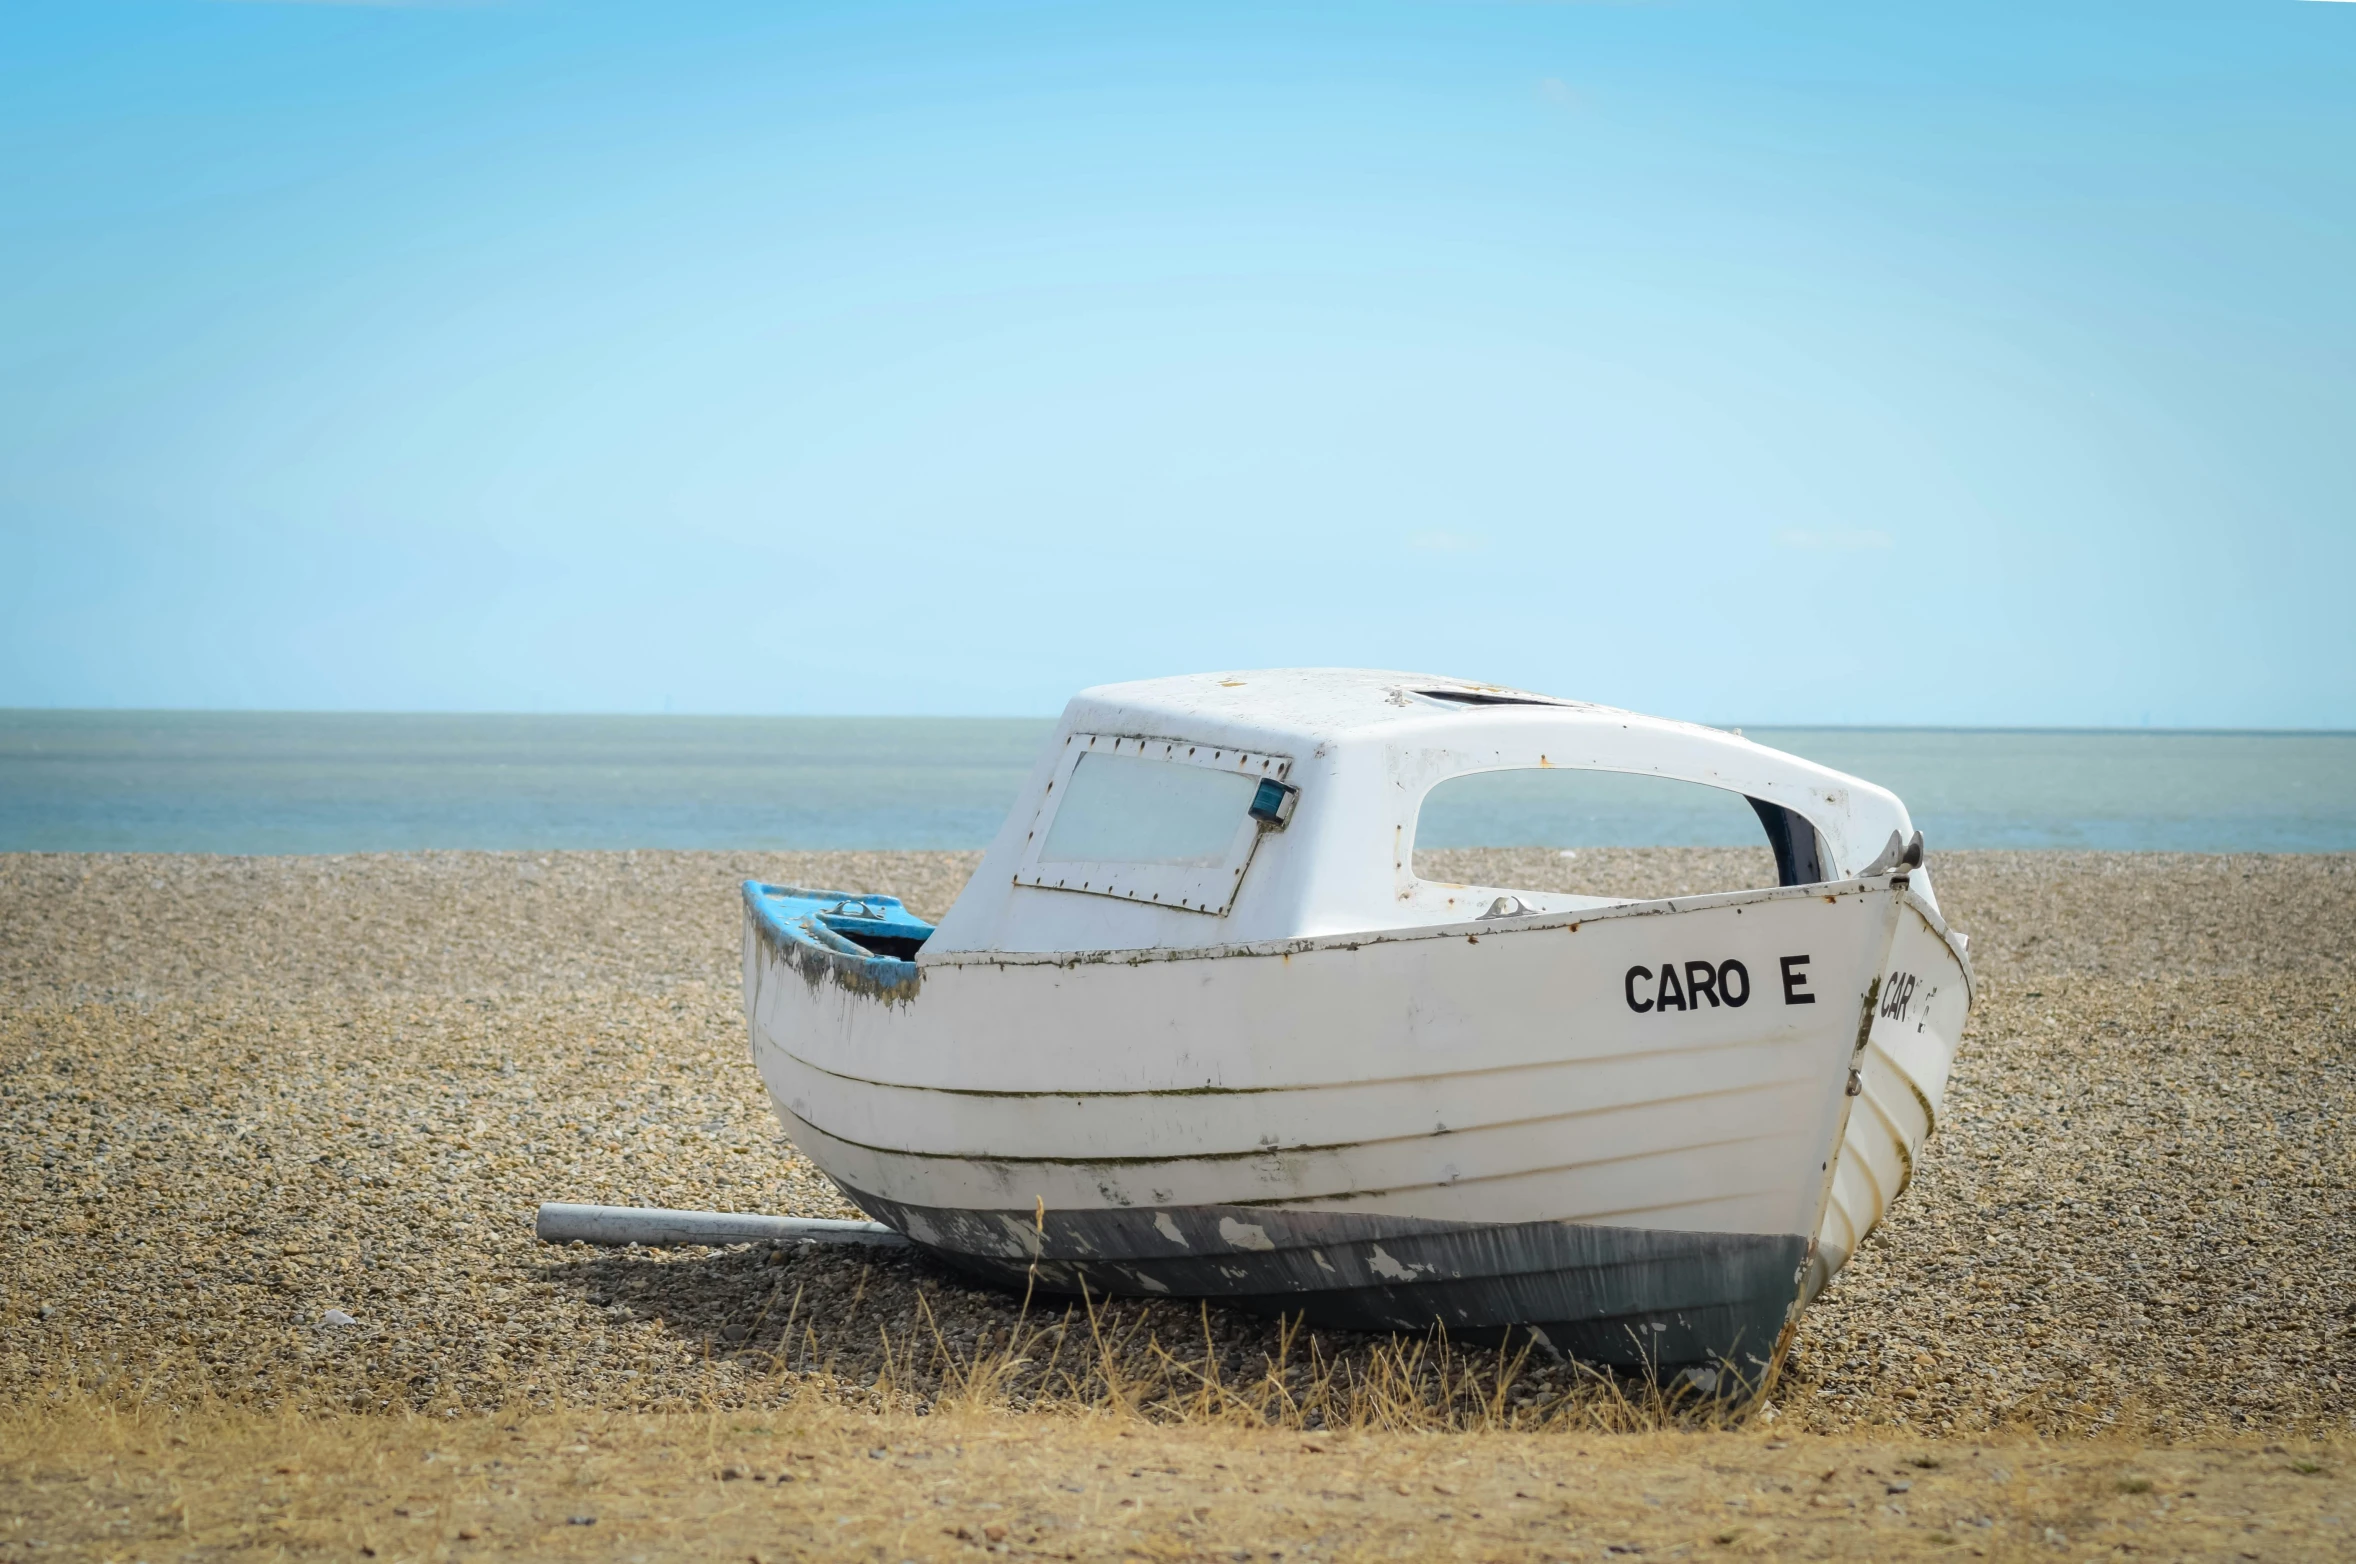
<point x="1611" y="834"/>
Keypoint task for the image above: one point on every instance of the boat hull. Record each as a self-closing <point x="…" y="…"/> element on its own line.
<point x="1571" y="1125"/>
<point x="1924" y="1000"/>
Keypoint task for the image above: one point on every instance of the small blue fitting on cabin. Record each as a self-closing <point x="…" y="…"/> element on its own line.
<point x="1272" y="804"/>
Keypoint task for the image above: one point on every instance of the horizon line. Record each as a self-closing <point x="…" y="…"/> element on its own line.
<point x="2196" y="731"/>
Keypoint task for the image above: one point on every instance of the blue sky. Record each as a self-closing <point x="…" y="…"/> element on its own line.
<point x="1749" y="362"/>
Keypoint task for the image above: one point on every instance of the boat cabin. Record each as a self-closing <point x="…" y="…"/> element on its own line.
<point x="1236" y="809"/>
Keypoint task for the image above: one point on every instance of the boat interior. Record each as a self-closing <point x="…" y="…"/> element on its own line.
<point x="877" y="928"/>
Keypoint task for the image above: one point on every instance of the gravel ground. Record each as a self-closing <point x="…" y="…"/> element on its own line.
<point x="236" y="1093"/>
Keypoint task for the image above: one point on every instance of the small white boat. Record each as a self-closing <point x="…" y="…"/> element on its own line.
<point x="1196" y="1029"/>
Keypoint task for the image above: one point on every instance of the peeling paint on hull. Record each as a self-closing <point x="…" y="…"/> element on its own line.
<point x="1626" y="1296"/>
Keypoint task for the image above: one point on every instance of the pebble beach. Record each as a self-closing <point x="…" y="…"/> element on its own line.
<point x="237" y="1094"/>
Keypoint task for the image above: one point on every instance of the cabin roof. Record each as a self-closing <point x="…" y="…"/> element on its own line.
<point x="1317" y="703"/>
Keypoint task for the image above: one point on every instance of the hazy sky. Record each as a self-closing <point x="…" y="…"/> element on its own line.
<point x="1794" y="362"/>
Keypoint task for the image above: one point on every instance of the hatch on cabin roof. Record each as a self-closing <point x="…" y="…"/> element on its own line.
<point x="1310" y="702"/>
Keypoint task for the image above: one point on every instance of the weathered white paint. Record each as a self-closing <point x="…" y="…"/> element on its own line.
<point x="1489" y="1072"/>
<point x="1347" y="1038"/>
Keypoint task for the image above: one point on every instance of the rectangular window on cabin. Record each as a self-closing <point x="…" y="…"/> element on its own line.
<point x="1130" y="809"/>
<point x="1162" y="821"/>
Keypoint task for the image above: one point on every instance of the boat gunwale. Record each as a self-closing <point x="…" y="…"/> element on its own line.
<point x="1471" y="928"/>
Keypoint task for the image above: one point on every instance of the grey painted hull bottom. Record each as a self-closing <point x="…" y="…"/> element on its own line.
<point x="1624" y="1296"/>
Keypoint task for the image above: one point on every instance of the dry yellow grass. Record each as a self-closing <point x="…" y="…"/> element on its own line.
<point x="812" y="1479"/>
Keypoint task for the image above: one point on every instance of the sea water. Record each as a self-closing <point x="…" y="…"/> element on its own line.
<point x="219" y="782"/>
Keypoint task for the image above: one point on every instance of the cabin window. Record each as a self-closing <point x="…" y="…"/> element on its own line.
<point x="1607" y="833"/>
<point x="1129" y="809"/>
<point x="1163" y="821"/>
